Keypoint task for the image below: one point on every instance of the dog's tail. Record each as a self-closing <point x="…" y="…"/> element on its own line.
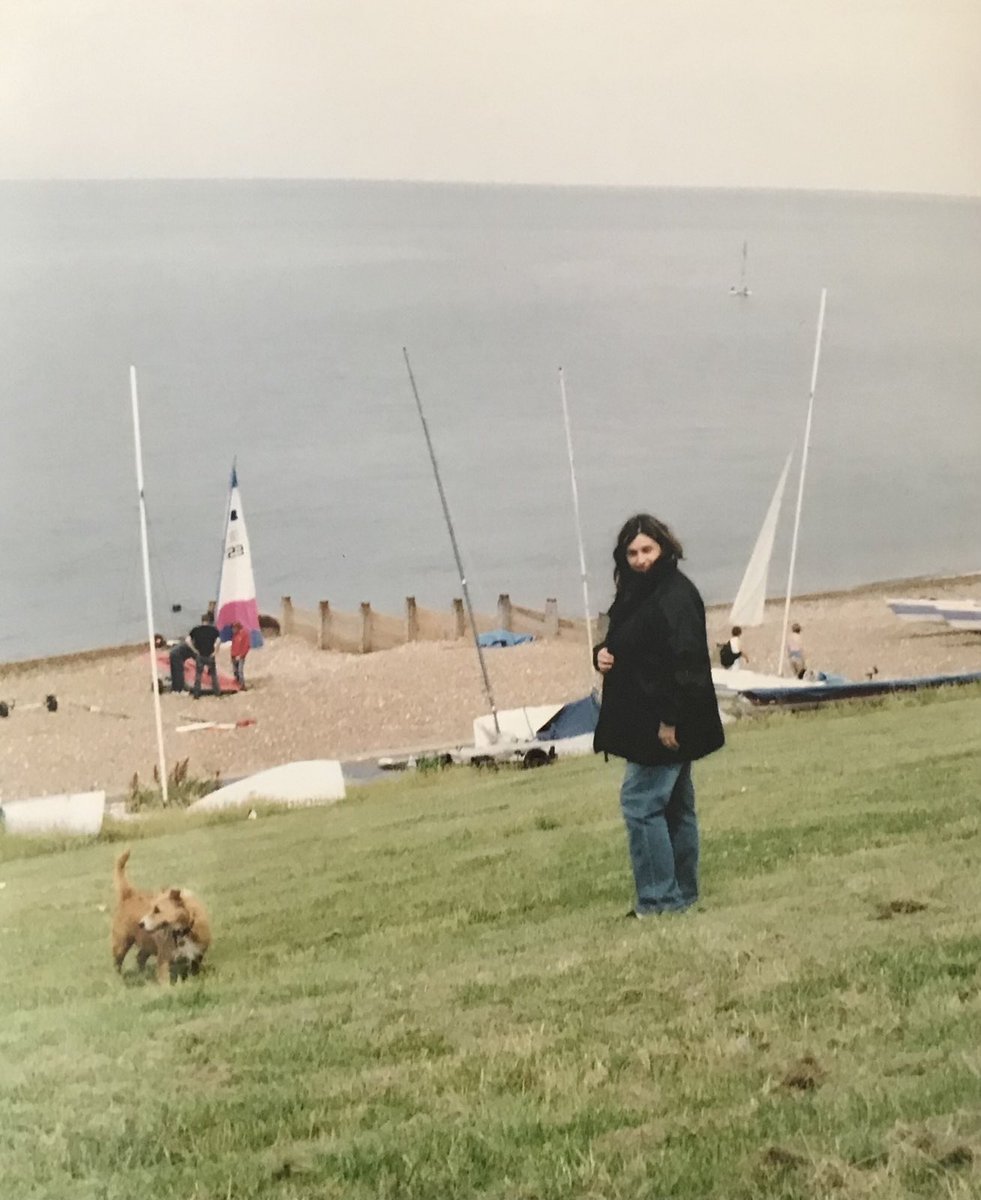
<point x="124" y="889"/>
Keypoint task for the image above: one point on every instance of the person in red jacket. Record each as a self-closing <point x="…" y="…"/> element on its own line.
<point x="240" y="647"/>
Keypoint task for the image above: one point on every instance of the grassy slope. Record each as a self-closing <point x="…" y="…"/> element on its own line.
<point x="427" y="991"/>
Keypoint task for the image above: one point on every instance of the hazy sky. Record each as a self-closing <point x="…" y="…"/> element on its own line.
<point x="867" y="94"/>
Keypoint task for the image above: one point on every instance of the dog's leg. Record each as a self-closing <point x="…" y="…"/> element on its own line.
<point x="163" y="969"/>
<point x="120" y="948"/>
<point x="141" y="958"/>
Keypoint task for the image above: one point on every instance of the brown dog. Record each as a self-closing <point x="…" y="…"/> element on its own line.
<point x="171" y="924"/>
<point x="179" y="925"/>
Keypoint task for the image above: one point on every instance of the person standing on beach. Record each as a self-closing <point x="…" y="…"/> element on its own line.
<point x="241" y="643"/>
<point x="201" y="644"/>
<point x="795" y="651"/>
<point x="659" y="710"/>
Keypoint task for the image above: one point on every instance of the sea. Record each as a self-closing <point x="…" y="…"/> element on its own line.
<point x="269" y="324"/>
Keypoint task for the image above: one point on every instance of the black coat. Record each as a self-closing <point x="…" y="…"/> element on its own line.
<point x="661" y="672"/>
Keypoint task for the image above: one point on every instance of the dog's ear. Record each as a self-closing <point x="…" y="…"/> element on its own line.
<point x="175" y="895"/>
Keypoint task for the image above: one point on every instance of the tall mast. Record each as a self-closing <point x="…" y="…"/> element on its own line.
<point x="151" y="637"/>
<point x="575" y="507"/>
<point x="456" y="549"/>
<point x="800" y="484"/>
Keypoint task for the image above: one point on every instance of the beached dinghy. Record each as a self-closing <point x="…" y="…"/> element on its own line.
<point x="828" y="691"/>
<point x="315" y="781"/>
<point x="910" y="608"/>
<point x="961" y="614"/>
<point x="77" y="813"/>
<point x="555" y="730"/>
<point x="236" y="587"/>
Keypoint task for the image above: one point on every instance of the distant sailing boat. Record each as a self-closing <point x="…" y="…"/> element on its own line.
<point x="236" y="588"/>
<point x="743" y="289"/>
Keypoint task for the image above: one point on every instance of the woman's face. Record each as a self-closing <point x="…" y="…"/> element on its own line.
<point x="642" y="553"/>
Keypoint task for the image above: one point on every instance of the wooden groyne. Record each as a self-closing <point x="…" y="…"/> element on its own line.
<point x="368" y="630"/>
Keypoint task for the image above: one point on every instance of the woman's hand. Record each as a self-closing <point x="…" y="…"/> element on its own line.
<point x="604" y="660"/>
<point x="667" y="736"/>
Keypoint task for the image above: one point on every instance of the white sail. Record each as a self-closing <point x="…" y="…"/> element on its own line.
<point x="236" y="587"/>
<point x="748" y="607"/>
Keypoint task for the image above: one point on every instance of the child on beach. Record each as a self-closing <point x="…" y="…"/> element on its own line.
<point x="240" y="647"/>
<point x="731" y="653"/>
<point x="795" y="651"/>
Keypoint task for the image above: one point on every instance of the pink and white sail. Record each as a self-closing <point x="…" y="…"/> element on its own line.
<point x="236" y="589"/>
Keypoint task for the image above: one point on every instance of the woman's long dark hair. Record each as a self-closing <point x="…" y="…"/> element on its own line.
<point x="644" y="523"/>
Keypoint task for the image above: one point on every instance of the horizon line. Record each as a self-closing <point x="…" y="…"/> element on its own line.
<point x="487" y="183"/>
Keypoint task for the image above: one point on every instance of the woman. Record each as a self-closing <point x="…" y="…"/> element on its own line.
<point x="659" y="710"/>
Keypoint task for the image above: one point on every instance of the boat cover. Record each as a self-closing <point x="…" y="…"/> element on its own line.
<point x="572" y="720"/>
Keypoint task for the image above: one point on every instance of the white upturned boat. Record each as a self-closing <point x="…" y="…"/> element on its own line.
<point x="78" y="813"/>
<point x="959" y="614"/>
<point x="914" y="608"/>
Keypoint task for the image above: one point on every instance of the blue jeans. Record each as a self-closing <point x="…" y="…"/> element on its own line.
<point x="202" y="661"/>
<point x="658" y="805"/>
<point x="179" y="656"/>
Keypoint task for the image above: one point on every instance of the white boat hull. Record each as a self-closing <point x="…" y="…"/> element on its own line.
<point x="315" y="781"/>
<point x="74" y="813"/>
<point x="731" y="683"/>
<point x="913" y="609"/>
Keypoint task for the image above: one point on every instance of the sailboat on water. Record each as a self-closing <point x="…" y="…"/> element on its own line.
<point x="743" y="289"/>
<point x="236" y="586"/>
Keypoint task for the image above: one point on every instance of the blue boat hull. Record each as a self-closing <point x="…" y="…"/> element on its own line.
<point x="824" y="693"/>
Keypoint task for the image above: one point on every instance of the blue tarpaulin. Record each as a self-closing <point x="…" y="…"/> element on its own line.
<point x="503" y="637"/>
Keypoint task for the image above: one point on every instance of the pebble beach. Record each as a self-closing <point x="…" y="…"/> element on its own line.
<point x="303" y="703"/>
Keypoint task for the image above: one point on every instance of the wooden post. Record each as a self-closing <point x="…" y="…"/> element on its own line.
<point x="365" y="627"/>
<point x="459" y="619"/>
<point x="504" y="611"/>
<point x="323" y="638"/>
<point x="287" y="605"/>
<point x="411" y="620"/>
<point x="551" y="618"/>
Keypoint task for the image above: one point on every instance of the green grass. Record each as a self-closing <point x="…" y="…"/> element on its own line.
<point x="428" y="991"/>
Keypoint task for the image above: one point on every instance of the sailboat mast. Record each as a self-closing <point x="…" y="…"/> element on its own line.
<point x="456" y="549"/>
<point x="151" y="636"/>
<point x="800" y="483"/>
<point x="575" y="508"/>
